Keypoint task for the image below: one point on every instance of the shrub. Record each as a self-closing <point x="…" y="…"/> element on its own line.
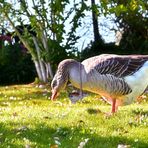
<point x="16" y="65"/>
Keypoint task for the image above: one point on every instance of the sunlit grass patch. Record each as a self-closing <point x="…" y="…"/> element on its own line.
<point x="29" y="119"/>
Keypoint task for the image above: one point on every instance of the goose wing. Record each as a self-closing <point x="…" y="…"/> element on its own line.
<point x="118" y="66"/>
<point x="114" y="68"/>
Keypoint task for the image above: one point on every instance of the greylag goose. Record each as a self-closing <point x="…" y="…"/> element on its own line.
<point x="120" y="79"/>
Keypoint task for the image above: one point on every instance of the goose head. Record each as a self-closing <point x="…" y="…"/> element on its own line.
<point x="61" y="77"/>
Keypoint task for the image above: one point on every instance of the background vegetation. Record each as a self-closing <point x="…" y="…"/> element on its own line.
<point x="51" y="30"/>
<point x="16" y="65"/>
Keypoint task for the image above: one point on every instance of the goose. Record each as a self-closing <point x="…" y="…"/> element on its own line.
<point x="119" y="79"/>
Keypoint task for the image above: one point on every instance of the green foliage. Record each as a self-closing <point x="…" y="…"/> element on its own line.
<point x="48" y="19"/>
<point x="119" y="9"/>
<point x="15" y="65"/>
<point x="131" y="16"/>
<point x="29" y="119"/>
<point x="94" y="49"/>
<point x="57" y="53"/>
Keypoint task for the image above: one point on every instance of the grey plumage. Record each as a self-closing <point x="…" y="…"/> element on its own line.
<point x="108" y="75"/>
<point x="119" y="66"/>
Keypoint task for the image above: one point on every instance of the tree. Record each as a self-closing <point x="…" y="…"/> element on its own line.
<point x="48" y="20"/>
<point x="131" y="17"/>
<point x="97" y="36"/>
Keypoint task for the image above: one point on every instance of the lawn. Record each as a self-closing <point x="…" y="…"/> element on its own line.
<point x="28" y="119"/>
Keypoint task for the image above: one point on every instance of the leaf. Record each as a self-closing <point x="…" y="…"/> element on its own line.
<point x="54" y="146"/>
<point x="12" y="98"/>
<point x="15" y="114"/>
<point x="133" y="5"/>
<point x="57" y="140"/>
<point x="27" y="146"/>
<point x="22" y="128"/>
<point x="83" y="143"/>
<point x="123" y="146"/>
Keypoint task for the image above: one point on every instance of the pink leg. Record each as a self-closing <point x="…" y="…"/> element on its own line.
<point x="114" y="107"/>
<point x="113" y="110"/>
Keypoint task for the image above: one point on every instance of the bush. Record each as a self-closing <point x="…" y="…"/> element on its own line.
<point x="16" y="66"/>
<point x="110" y="48"/>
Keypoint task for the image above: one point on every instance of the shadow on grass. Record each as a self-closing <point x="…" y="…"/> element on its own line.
<point x="43" y="136"/>
<point x="140" y="111"/>
<point x="93" y="111"/>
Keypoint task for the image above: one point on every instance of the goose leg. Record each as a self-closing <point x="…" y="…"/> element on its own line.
<point x="114" y="108"/>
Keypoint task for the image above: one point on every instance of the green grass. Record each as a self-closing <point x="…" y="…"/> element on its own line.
<point x="29" y="119"/>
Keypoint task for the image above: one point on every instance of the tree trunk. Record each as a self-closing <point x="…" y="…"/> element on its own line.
<point x="42" y="66"/>
<point x="49" y="70"/>
<point x="97" y="36"/>
<point x="37" y="66"/>
<point x="47" y="64"/>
